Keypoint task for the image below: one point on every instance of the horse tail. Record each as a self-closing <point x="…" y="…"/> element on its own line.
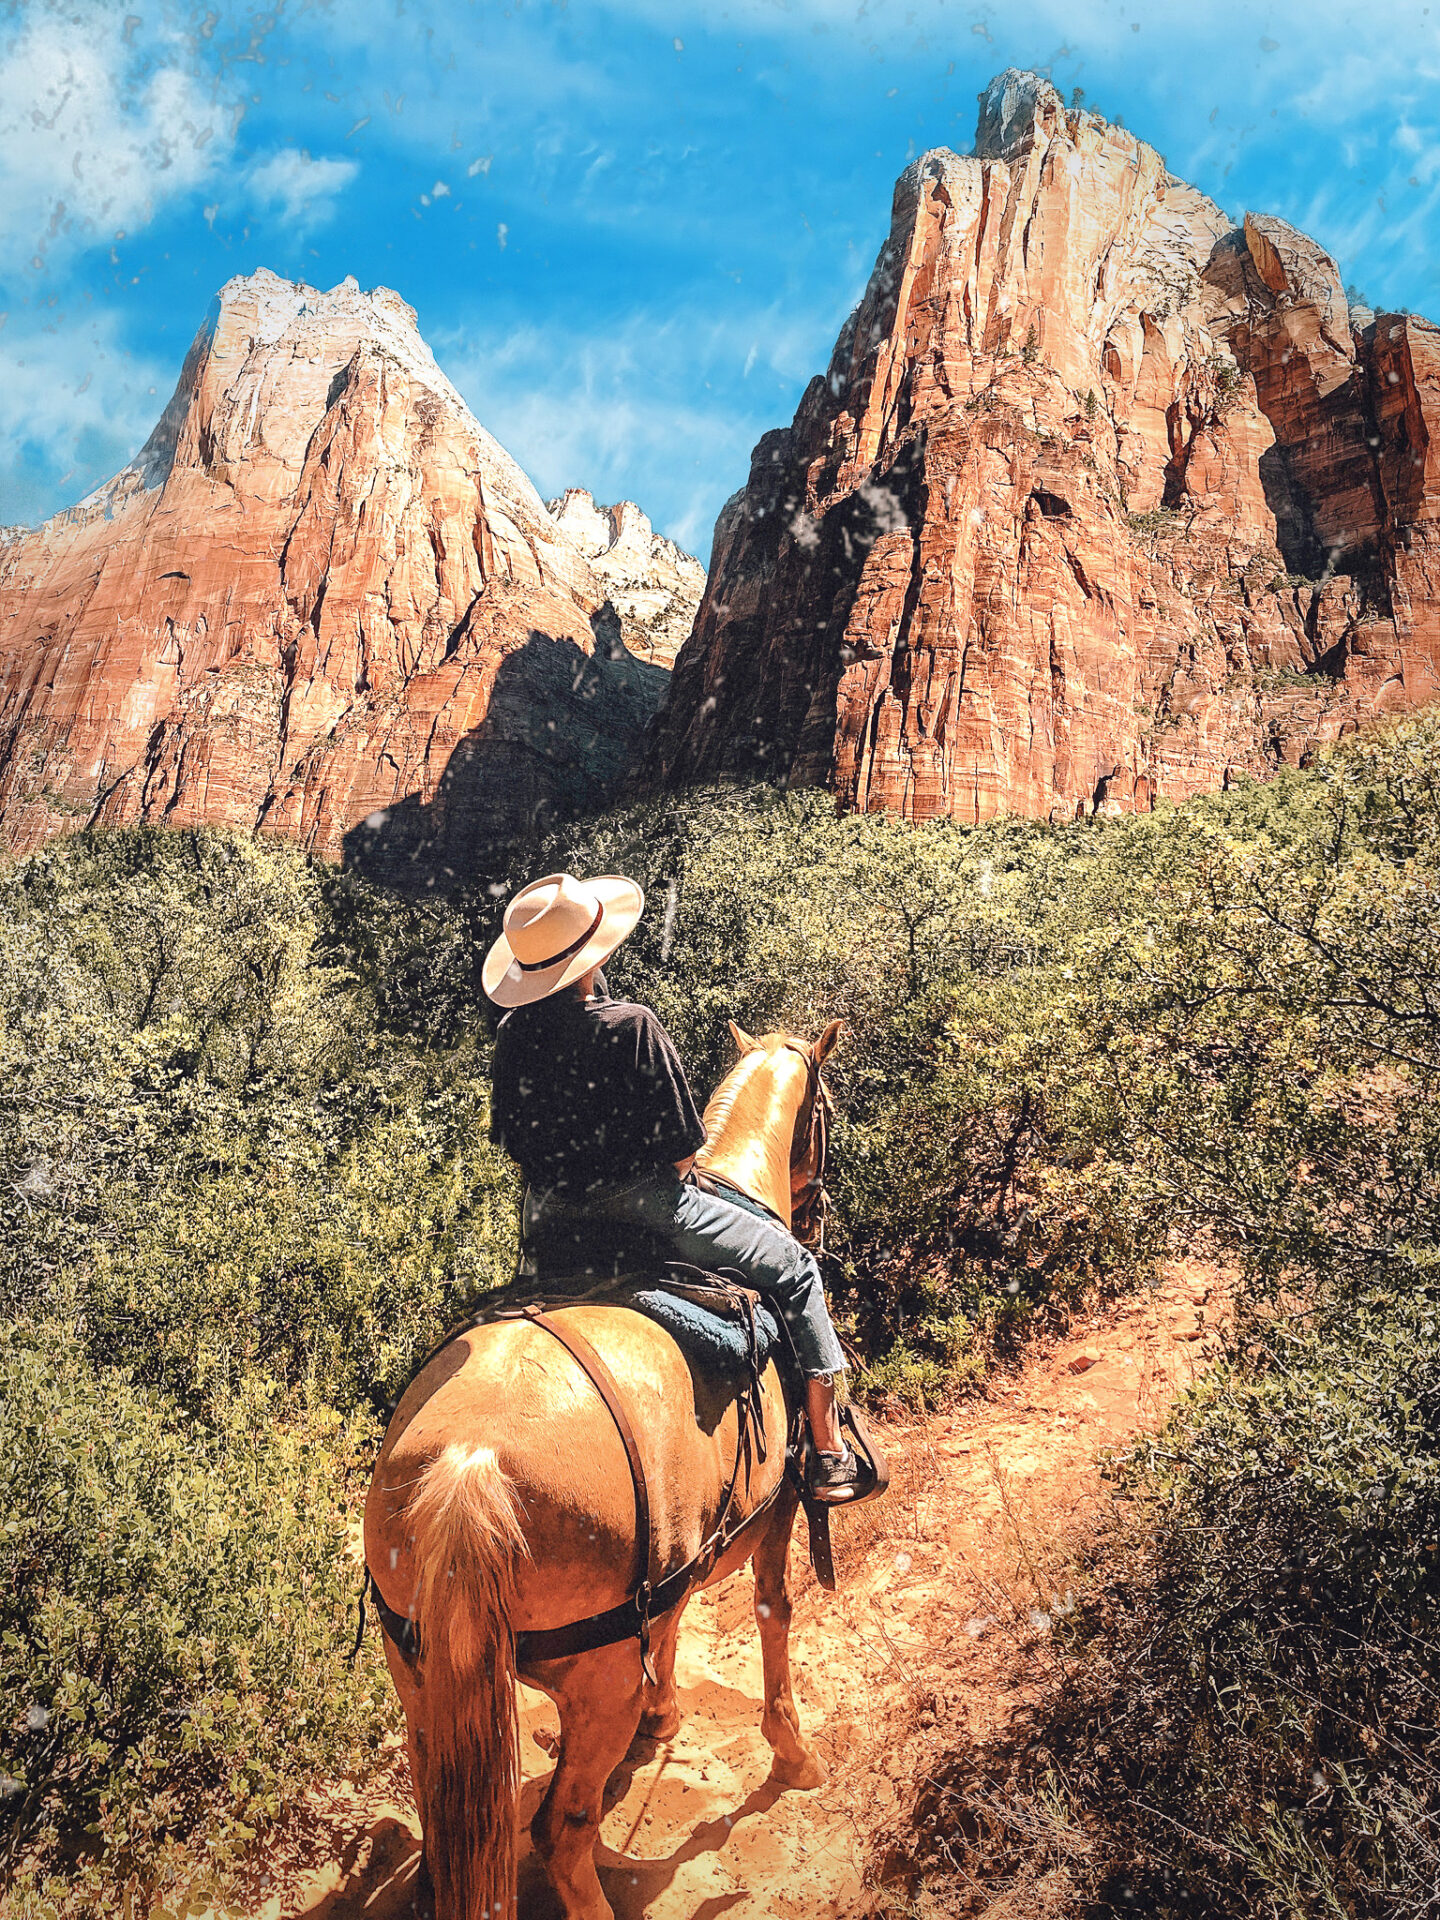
<point x="465" y="1524"/>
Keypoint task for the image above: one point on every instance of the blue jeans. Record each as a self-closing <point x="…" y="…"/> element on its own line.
<point x="684" y="1222"/>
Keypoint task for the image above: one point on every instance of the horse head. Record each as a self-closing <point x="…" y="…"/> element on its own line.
<point x="769" y="1102"/>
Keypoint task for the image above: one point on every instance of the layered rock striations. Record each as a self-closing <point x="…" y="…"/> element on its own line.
<point x="322" y="600"/>
<point x="1101" y="499"/>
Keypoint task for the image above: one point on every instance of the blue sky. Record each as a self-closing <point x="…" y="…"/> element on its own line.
<point x="630" y="230"/>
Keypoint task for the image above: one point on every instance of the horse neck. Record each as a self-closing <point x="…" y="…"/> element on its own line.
<point x="750" y="1124"/>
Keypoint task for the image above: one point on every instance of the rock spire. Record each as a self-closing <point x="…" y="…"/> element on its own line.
<point x="323" y="601"/>
<point x="1101" y="499"/>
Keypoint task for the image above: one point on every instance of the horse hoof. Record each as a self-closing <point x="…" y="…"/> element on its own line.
<point x="660" y="1726"/>
<point x="803" y="1774"/>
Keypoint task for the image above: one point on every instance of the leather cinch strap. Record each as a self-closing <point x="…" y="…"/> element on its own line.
<point x="630" y="1620"/>
<point x="589" y="1361"/>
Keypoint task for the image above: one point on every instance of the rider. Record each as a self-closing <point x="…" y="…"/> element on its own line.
<point x="590" y="1098"/>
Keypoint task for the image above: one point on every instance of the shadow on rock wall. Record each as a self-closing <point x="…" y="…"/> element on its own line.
<point x="562" y="730"/>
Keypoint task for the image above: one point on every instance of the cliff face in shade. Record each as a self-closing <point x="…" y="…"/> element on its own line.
<point x="1100" y="499"/>
<point x="654" y="586"/>
<point x="322" y="600"/>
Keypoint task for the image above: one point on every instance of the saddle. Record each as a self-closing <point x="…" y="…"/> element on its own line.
<point x="694" y="1306"/>
<point x="724" y="1328"/>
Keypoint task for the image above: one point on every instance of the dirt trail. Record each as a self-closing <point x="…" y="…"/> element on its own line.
<point x="975" y="1542"/>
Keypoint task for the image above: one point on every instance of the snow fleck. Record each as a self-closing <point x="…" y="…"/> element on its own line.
<point x="479" y="166"/>
<point x="502" y="234"/>
<point x="884" y="503"/>
<point x="903" y="1563"/>
<point x="803" y="531"/>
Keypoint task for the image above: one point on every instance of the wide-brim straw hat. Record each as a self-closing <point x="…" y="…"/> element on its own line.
<point x="557" y="929"/>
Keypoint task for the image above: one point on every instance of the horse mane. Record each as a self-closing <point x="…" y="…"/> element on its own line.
<point x="750" y="1122"/>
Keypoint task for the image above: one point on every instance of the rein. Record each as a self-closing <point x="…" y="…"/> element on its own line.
<point x="808" y="1210"/>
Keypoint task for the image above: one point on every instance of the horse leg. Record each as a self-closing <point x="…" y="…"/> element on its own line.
<point x="423" y="1892"/>
<point x="660" y="1710"/>
<point x="796" y="1764"/>
<point x="599" y="1701"/>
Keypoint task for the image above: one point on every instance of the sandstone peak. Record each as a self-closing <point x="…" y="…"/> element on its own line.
<point x="271" y="356"/>
<point x="1016" y="110"/>
<point x="1100" y="499"/>
<point x="322" y="595"/>
<point x="654" y="584"/>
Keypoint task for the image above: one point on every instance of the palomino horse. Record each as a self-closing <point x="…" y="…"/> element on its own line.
<point x="502" y="1503"/>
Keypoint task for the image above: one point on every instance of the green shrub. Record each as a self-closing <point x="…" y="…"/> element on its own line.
<point x="174" y="1606"/>
<point x="243" y="1107"/>
<point x="244" y="1184"/>
<point x="1247" y="1723"/>
<point x="243" y="1166"/>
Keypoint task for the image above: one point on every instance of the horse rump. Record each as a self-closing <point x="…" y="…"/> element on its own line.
<point x="465" y="1526"/>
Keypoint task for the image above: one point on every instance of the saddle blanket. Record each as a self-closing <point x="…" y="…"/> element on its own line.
<point x="712" y="1342"/>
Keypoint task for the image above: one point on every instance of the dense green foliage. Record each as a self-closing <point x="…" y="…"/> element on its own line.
<point x="244" y="1181"/>
<point x="1248" y="1723"/>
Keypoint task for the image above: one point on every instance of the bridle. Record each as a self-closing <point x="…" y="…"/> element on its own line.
<point x="809" y="1151"/>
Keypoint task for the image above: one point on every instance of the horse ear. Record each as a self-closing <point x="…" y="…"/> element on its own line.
<point x="825" y="1045"/>
<point x="742" y="1039"/>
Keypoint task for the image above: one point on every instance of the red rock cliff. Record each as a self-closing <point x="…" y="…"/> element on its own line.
<point x="1100" y="499"/>
<point x="321" y="600"/>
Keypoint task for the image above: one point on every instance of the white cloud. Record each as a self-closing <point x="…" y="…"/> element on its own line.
<point x="74" y="409"/>
<point x="649" y="409"/>
<point x="97" y="130"/>
<point x="301" y="191"/>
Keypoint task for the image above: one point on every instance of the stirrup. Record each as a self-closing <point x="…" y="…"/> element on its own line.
<point x="874" y="1470"/>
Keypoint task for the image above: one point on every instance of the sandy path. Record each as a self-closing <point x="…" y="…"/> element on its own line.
<point x="975" y="1540"/>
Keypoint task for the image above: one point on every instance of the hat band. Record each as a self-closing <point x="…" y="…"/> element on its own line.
<point x="565" y="953"/>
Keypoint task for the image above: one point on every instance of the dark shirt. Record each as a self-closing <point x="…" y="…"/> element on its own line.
<point x="589" y="1092"/>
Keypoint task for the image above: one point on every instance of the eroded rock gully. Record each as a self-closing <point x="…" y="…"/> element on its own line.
<point x="324" y="601"/>
<point x="1101" y="499"/>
